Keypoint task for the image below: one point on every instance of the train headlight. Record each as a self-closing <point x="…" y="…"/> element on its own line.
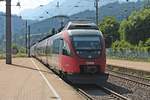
<point x="78" y="52"/>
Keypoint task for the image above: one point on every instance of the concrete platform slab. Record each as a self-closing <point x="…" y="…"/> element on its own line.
<point x="65" y="91"/>
<point x="143" y="66"/>
<point x="22" y="81"/>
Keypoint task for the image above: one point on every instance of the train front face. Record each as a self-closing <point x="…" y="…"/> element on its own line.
<point x="88" y="56"/>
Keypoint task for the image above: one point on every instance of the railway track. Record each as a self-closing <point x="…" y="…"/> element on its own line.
<point x="99" y="93"/>
<point x="136" y="79"/>
<point x="107" y="93"/>
<point x="84" y="94"/>
<point x="136" y="74"/>
<point x="138" y="88"/>
<point x="114" y="94"/>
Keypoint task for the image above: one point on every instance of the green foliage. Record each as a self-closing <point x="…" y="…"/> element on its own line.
<point x="124" y="50"/>
<point x="22" y="50"/>
<point x="124" y="45"/>
<point x="109" y="27"/>
<point x="136" y="28"/>
<point x="121" y="45"/>
<point x="141" y="44"/>
<point x="147" y="43"/>
<point x="18" y="50"/>
<point x="14" y="48"/>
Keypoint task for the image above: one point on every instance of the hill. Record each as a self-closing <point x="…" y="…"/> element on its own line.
<point x="64" y="7"/>
<point x="18" y="27"/>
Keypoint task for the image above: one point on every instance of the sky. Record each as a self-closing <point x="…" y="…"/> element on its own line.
<point x="28" y="4"/>
<point x="25" y="4"/>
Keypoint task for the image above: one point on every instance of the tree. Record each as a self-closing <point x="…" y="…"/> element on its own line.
<point x="121" y="45"/>
<point x="109" y="27"/>
<point x="14" y="49"/>
<point x="147" y="43"/>
<point x="136" y="28"/>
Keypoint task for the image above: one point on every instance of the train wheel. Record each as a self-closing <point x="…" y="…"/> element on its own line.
<point x="61" y="74"/>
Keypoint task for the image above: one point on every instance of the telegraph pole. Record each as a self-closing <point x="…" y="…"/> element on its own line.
<point x="29" y="41"/>
<point x="8" y="32"/>
<point x="96" y="6"/>
<point x="26" y="37"/>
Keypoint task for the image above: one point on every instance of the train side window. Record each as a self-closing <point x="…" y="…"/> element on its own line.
<point x="49" y="49"/>
<point x="56" y="44"/>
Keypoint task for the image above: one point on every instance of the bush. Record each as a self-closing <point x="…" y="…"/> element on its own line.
<point x="147" y="43"/>
<point x="121" y="45"/>
<point x="124" y="50"/>
<point x="136" y="27"/>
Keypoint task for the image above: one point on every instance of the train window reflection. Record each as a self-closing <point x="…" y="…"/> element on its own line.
<point x="90" y="42"/>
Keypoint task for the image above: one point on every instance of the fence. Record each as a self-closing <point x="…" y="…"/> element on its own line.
<point x="128" y="54"/>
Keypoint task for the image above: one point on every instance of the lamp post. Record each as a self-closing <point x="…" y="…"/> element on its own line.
<point x="8" y="32"/>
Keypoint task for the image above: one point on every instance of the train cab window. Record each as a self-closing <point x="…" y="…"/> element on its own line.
<point x="65" y="49"/>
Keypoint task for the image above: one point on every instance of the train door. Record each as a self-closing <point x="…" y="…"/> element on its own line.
<point x="66" y="59"/>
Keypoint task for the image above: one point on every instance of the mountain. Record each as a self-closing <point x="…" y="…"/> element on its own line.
<point x="2" y="23"/>
<point x="18" y="27"/>
<point x="116" y="9"/>
<point x="63" y="7"/>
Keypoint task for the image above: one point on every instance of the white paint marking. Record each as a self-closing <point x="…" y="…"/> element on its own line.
<point x="49" y="85"/>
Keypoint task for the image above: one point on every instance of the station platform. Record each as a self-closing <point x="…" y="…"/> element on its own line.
<point x="28" y="79"/>
<point x="135" y="65"/>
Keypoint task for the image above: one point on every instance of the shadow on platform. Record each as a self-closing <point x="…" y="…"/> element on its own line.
<point x="25" y="67"/>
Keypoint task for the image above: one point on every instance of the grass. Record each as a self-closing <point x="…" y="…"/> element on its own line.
<point x="20" y="55"/>
<point x="2" y="56"/>
<point x="147" y="77"/>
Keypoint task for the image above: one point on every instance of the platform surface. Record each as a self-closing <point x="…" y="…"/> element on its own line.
<point x="137" y="65"/>
<point x="23" y="81"/>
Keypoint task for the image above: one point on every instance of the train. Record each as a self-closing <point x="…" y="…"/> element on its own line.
<point x="77" y="53"/>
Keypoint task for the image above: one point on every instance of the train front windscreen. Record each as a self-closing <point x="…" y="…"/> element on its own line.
<point x="87" y="46"/>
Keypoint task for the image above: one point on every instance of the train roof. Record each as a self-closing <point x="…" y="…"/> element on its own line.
<point x="84" y="32"/>
<point x="81" y="25"/>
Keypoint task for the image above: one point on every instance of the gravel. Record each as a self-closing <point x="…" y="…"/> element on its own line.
<point x="129" y="89"/>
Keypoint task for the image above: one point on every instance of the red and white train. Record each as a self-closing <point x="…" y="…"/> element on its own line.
<point x="77" y="53"/>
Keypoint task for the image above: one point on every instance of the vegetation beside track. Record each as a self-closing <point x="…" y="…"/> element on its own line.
<point x="17" y="51"/>
<point x="130" y="38"/>
<point x="135" y="29"/>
